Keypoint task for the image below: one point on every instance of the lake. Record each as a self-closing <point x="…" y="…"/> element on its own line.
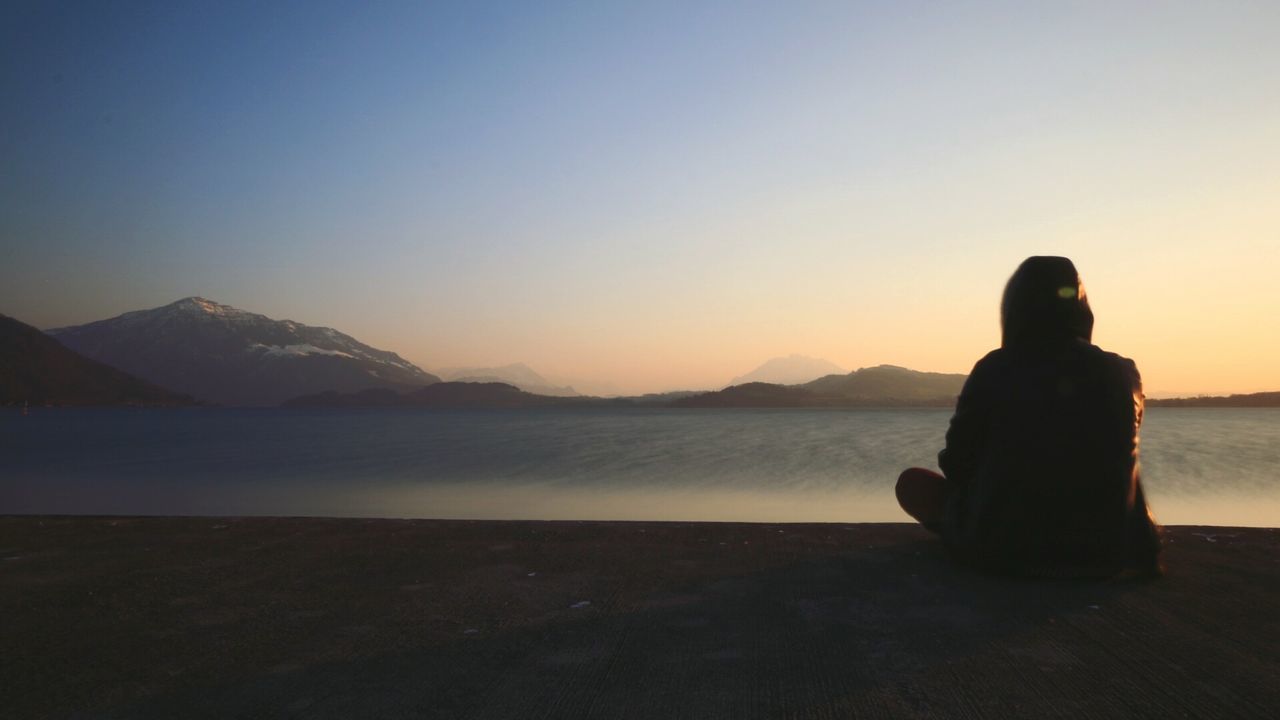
<point x="1205" y="466"/>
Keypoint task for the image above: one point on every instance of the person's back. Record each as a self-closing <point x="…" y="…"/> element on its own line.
<point x="1041" y="461"/>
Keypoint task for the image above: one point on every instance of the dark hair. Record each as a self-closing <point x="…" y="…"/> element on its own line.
<point x="1045" y="301"/>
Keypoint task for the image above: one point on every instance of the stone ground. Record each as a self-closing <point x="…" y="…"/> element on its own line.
<point x="329" y="618"/>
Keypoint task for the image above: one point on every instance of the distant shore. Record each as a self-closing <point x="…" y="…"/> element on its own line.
<point x="1262" y="399"/>
<point x="297" y="617"/>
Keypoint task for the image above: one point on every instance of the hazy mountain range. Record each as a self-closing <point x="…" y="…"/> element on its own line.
<point x="882" y="386"/>
<point x="35" y="369"/>
<point x="517" y="374"/>
<point x="220" y="354"/>
<point x="789" y="370"/>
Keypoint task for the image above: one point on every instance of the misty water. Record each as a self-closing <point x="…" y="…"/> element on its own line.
<point x="1214" y="466"/>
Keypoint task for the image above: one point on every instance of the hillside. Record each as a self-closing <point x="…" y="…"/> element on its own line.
<point x="890" y="382"/>
<point x="1261" y="399"/>
<point x="35" y="369"/>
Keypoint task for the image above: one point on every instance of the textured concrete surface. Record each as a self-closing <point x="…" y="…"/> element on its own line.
<point x="317" y="618"/>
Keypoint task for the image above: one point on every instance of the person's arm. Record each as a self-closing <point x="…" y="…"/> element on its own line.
<point x="1146" y="543"/>
<point x="1138" y="398"/>
<point x="965" y="437"/>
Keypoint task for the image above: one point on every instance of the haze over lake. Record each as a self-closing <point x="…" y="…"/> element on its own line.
<point x="1213" y="466"/>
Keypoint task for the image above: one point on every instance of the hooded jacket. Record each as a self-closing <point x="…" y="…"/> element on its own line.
<point x="1043" y="446"/>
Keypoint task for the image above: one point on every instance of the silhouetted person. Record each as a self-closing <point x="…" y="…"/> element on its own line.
<point x="1040" y="471"/>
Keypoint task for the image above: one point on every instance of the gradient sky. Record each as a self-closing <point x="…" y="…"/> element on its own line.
<point x="654" y="195"/>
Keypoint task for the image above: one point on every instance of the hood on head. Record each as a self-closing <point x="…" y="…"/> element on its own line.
<point x="1045" y="301"/>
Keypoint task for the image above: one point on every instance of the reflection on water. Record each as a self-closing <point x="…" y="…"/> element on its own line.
<point x="1201" y="466"/>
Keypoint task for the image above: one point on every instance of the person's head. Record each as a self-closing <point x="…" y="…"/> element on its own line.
<point x="1045" y="301"/>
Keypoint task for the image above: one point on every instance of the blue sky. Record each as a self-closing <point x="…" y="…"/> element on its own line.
<point x="654" y="195"/>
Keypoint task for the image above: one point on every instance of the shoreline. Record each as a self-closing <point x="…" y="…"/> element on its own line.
<point x="117" y="616"/>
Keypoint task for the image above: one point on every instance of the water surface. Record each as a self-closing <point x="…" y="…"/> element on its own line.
<point x="1201" y="465"/>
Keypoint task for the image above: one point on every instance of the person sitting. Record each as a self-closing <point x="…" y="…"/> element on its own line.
<point x="1040" y="472"/>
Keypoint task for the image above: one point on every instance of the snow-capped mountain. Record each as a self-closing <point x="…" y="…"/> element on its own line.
<point x="224" y="355"/>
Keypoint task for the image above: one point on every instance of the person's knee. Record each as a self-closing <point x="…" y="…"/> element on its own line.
<point x="911" y="480"/>
<point x="904" y="479"/>
<point x="922" y="494"/>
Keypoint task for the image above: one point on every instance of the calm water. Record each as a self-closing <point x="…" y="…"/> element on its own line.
<point x="1201" y="466"/>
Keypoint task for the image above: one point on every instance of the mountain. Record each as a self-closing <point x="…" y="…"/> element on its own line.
<point x="756" y="395"/>
<point x="790" y="370"/>
<point x="881" y="386"/>
<point x="890" y="382"/>
<point x="517" y="374"/>
<point x="224" y="355"/>
<point x="36" y="369"/>
<point x="1261" y="399"/>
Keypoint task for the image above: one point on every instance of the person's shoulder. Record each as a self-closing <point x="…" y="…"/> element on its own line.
<point x="995" y="357"/>
<point x="1114" y="358"/>
<point x="987" y="372"/>
<point x="1118" y="363"/>
<point x="992" y="362"/>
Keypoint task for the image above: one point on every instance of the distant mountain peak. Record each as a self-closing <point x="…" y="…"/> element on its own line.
<point x="793" y="369"/>
<point x="203" y="306"/>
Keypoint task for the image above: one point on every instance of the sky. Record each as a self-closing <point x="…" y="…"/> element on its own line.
<point x="652" y="196"/>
